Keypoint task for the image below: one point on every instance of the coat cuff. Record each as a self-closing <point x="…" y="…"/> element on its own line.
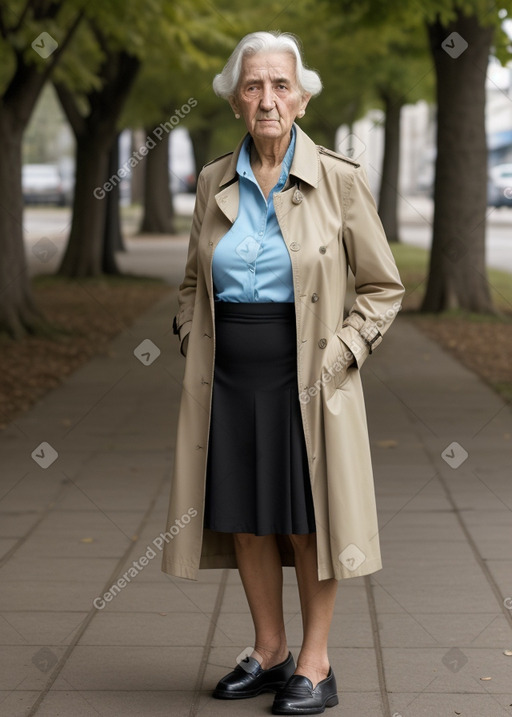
<point x="360" y="335"/>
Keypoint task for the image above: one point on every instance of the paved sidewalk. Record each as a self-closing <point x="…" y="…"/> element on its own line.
<point x="416" y="639"/>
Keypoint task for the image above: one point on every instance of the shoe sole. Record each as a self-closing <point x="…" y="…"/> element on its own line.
<point x="227" y="695"/>
<point x="331" y="702"/>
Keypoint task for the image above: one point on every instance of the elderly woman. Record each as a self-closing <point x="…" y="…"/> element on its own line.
<point x="272" y="464"/>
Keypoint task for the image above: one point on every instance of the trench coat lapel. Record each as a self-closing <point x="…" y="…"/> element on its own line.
<point x="305" y="166"/>
<point x="305" y="163"/>
<point x="228" y="197"/>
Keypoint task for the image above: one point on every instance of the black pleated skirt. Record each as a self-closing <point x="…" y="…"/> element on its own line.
<point x="257" y="476"/>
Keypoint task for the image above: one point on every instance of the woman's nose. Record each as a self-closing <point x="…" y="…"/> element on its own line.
<point x="267" y="101"/>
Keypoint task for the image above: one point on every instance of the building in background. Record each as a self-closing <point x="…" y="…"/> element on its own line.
<point x="364" y="142"/>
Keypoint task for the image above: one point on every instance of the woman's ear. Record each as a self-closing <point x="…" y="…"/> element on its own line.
<point x="234" y="106"/>
<point x="305" y="99"/>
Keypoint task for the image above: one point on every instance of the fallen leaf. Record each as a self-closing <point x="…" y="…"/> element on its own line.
<point x="36" y="364"/>
<point x="387" y="443"/>
<point x="87" y="540"/>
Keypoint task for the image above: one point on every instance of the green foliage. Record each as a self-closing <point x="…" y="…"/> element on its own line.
<point x="179" y="67"/>
<point x="172" y="38"/>
<point x="22" y="21"/>
<point x="376" y="12"/>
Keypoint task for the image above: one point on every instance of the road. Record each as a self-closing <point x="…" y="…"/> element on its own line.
<point x="47" y="228"/>
<point x="416" y="215"/>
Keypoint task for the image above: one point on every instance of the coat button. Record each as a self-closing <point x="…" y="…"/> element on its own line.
<point x="294" y="246"/>
<point x="322" y="343"/>
<point x="297" y="197"/>
<point x="314" y="298"/>
<point x="322" y="250"/>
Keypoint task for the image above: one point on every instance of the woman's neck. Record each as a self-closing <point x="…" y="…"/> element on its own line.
<point x="268" y="154"/>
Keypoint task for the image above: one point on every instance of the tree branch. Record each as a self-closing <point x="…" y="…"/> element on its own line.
<point x="29" y="5"/>
<point x="31" y="79"/>
<point x="100" y="37"/>
<point x="3" y="28"/>
<point x="44" y="9"/>
<point x="70" y="107"/>
<point x="62" y="45"/>
<point x="108" y="102"/>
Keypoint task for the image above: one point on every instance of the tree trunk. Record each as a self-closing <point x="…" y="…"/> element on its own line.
<point x="158" y="208"/>
<point x="17" y="311"/>
<point x="112" y="235"/>
<point x="95" y="133"/>
<point x="137" y="172"/>
<point x="201" y="139"/>
<point x="84" y="251"/>
<point x="388" y="195"/>
<point x="457" y="274"/>
<point x="20" y="93"/>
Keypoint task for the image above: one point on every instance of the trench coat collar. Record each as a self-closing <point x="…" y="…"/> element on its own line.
<point x="305" y="164"/>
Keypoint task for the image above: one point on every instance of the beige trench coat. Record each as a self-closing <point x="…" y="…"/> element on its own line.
<point x="329" y="223"/>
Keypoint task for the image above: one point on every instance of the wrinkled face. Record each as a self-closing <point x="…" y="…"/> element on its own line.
<point x="267" y="95"/>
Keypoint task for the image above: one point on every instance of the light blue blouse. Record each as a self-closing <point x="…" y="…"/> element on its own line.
<point x="251" y="262"/>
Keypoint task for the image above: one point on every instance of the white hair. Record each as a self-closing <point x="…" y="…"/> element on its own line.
<point x="225" y="83"/>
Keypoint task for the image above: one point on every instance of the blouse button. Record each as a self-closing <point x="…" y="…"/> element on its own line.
<point x="294" y="246"/>
<point x="322" y="343"/>
<point x="322" y="250"/>
<point x="314" y="298"/>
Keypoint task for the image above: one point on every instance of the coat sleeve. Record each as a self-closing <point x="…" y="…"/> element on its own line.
<point x="377" y="281"/>
<point x="187" y="289"/>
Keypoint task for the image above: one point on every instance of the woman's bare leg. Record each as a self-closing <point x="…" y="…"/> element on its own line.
<point x="317" y="600"/>
<point x="259" y="564"/>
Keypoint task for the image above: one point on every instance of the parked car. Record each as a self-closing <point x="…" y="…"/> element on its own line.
<point x="499" y="186"/>
<point x="42" y="184"/>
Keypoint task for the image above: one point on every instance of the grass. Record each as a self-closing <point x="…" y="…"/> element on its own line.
<point x="482" y="342"/>
<point x="413" y="265"/>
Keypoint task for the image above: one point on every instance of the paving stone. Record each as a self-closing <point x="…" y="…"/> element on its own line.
<point x="428" y="704"/>
<point x="130" y="667"/>
<point x="450" y="670"/>
<point x="89" y="703"/>
<point x="40" y="628"/>
<point x="16" y="703"/>
<point x="172" y="629"/>
<point x="440" y="624"/>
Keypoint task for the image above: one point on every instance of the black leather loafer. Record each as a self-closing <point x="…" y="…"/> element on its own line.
<point x="249" y="679"/>
<point x="298" y="697"/>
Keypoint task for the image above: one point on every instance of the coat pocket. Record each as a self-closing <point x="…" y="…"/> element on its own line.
<point x="337" y="364"/>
